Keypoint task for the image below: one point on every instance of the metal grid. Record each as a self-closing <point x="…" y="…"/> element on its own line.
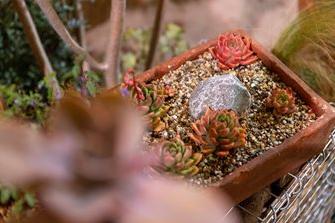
<point x="310" y="197"/>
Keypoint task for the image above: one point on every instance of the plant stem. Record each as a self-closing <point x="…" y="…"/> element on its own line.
<point x="82" y="30"/>
<point x="36" y="45"/>
<point x="61" y="30"/>
<point x="118" y="8"/>
<point x="155" y="33"/>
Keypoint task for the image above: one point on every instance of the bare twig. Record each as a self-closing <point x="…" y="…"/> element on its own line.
<point x="36" y="45"/>
<point x="155" y="33"/>
<point x="111" y="63"/>
<point x="113" y="49"/>
<point x="59" y="27"/>
<point x="82" y="30"/>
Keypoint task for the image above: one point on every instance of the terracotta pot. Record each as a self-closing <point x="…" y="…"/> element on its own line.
<point x="280" y="160"/>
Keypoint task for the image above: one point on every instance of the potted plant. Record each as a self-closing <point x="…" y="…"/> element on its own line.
<point x="229" y="114"/>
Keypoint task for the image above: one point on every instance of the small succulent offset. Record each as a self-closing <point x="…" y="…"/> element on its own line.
<point x="148" y="98"/>
<point x="174" y="157"/>
<point x="131" y="87"/>
<point x="232" y="50"/>
<point x="153" y="107"/>
<point x="282" y="100"/>
<point x="219" y="132"/>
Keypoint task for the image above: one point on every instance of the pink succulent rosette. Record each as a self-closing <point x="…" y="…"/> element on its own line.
<point x="233" y="50"/>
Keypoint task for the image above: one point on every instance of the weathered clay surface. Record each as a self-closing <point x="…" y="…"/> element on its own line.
<point x="219" y="92"/>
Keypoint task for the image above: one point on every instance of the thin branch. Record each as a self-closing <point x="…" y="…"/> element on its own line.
<point x="36" y="45"/>
<point x="155" y="33"/>
<point x="118" y="8"/>
<point x="82" y="29"/>
<point x="59" y="27"/>
<point x="82" y="32"/>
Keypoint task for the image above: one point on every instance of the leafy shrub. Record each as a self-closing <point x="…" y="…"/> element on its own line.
<point x="27" y="106"/>
<point x="17" y="64"/>
<point x="136" y="46"/>
<point x="87" y="82"/>
<point x="16" y="201"/>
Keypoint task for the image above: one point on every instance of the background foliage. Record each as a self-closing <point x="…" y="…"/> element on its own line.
<point x="17" y="64"/>
<point x="23" y="91"/>
<point x="22" y="85"/>
<point x="136" y="46"/>
<point x="307" y="46"/>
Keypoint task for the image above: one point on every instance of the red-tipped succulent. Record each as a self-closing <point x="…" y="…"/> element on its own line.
<point x="131" y="86"/>
<point x="148" y="98"/>
<point x="153" y="108"/>
<point x="218" y="131"/>
<point x="282" y="100"/>
<point x="174" y="157"/>
<point x="232" y="50"/>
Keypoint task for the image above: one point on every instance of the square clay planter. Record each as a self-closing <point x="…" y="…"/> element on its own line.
<point x="278" y="161"/>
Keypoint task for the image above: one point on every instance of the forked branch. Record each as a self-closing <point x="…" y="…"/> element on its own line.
<point x="61" y="30"/>
<point x="36" y="45"/>
<point x="111" y="62"/>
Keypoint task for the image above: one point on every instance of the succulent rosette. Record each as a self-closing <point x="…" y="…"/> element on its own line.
<point x="232" y="50"/>
<point x="148" y="98"/>
<point x="131" y="87"/>
<point x="218" y="131"/>
<point x="174" y="157"/>
<point x="153" y="108"/>
<point x="282" y="100"/>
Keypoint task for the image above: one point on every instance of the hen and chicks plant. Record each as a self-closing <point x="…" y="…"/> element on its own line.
<point x="232" y="50"/>
<point x="282" y="100"/>
<point x="149" y="99"/>
<point x="176" y="158"/>
<point x="218" y="132"/>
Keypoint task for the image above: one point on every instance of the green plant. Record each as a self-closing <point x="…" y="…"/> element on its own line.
<point x="218" y="131"/>
<point x="282" y="100"/>
<point x="148" y="99"/>
<point x="174" y="157"/>
<point x="136" y="46"/>
<point x="17" y="64"/>
<point x="153" y="107"/>
<point x="172" y="41"/>
<point x="88" y="82"/>
<point x="16" y="201"/>
<point x="28" y="106"/>
<point x="307" y="47"/>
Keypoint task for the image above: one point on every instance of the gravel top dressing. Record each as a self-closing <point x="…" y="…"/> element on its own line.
<point x="265" y="129"/>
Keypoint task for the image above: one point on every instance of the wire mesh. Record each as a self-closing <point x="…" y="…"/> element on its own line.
<point x="310" y="196"/>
